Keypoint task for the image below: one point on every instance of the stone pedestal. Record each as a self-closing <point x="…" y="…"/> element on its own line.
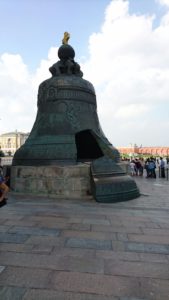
<point x="72" y="181"/>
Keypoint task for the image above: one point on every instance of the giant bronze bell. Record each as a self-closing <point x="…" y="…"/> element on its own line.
<point x="67" y="131"/>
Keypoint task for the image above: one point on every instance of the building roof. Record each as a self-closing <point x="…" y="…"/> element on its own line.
<point x="13" y="133"/>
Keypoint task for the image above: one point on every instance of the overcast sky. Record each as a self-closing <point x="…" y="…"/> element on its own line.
<point x="122" y="47"/>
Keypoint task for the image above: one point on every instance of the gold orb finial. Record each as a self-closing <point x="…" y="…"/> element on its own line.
<point x="66" y="38"/>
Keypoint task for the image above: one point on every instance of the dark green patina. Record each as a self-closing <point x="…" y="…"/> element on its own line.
<point x="110" y="183"/>
<point x="67" y="129"/>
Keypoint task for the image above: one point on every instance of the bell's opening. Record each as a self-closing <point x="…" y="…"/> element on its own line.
<point x="87" y="146"/>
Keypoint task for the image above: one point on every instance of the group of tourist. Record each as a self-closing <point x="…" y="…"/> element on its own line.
<point x="137" y="167"/>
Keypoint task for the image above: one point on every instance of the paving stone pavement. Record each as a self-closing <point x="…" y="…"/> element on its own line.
<point x="52" y="249"/>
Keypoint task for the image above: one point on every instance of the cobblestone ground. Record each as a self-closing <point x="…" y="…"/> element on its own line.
<point x="83" y="250"/>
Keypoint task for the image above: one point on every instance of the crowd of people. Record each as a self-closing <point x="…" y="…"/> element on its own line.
<point x="150" y="165"/>
<point x="137" y="168"/>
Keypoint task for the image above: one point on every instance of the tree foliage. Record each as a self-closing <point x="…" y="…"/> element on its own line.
<point x="2" y="154"/>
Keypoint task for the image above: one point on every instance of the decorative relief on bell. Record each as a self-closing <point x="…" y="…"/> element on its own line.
<point x="51" y="93"/>
<point x="72" y="116"/>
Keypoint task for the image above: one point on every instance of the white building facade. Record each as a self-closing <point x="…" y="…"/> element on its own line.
<point x="11" y="141"/>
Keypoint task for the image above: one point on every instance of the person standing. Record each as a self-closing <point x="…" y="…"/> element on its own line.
<point x="146" y="166"/>
<point x="3" y="189"/>
<point x="162" y="168"/>
<point x="152" y="168"/>
<point x="132" y="168"/>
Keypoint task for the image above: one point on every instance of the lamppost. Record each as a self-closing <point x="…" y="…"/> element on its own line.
<point x="131" y="152"/>
<point x="16" y="139"/>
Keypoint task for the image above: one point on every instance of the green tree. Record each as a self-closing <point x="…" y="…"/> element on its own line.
<point x="2" y="154"/>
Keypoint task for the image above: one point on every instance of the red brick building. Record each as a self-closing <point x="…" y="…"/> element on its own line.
<point x="154" y="151"/>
